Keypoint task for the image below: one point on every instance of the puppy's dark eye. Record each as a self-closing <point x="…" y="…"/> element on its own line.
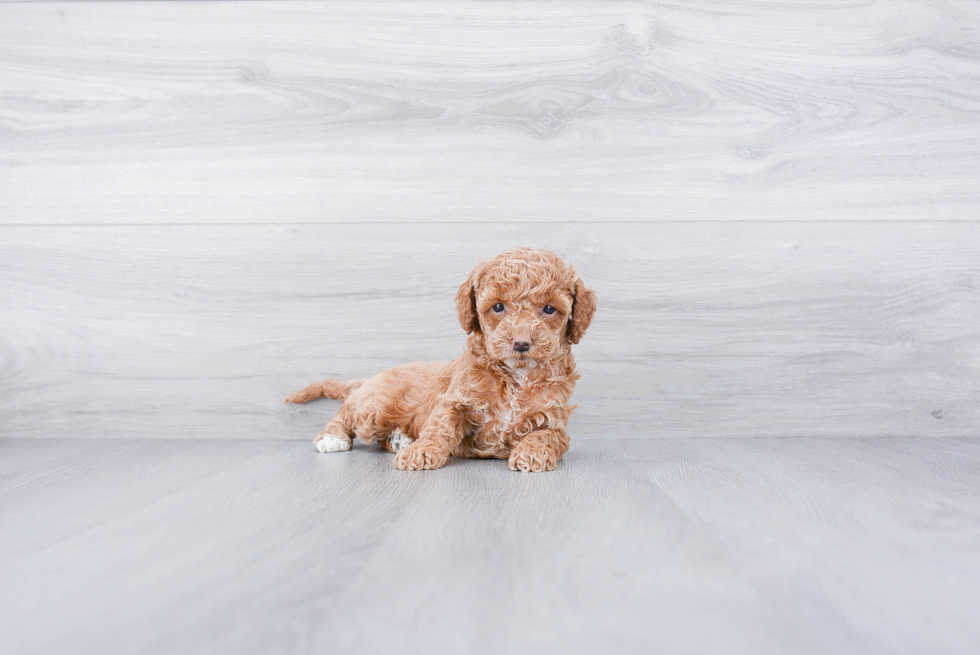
<point x="499" y="307"/>
<point x="548" y="309"/>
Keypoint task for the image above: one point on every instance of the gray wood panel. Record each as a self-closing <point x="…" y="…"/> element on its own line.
<point x="631" y="546"/>
<point x="200" y="112"/>
<point x="735" y="329"/>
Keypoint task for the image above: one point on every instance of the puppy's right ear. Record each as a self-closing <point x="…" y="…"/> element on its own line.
<point x="466" y="304"/>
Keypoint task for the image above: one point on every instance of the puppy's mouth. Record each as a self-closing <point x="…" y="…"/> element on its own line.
<point x="518" y="359"/>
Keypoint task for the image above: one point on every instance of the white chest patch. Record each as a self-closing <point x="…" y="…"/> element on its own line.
<point x="505" y="419"/>
<point x="519" y="373"/>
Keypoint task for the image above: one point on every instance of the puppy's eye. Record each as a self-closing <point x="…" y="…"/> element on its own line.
<point x="499" y="307"/>
<point x="548" y="309"/>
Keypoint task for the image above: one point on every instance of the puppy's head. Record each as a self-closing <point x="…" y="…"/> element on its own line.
<point x="527" y="304"/>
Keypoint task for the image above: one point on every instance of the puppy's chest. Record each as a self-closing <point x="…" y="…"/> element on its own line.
<point x="504" y="417"/>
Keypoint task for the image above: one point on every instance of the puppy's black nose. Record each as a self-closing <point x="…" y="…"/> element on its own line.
<point x="522" y="345"/>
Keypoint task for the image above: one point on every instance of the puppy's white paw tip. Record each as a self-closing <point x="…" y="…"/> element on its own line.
<point x="329" y="443"/>
<point x="398" y="440"/>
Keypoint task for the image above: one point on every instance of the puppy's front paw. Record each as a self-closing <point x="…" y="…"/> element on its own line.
<point x="532" y="458"/>
<point x="331" y="443"/>
<point x="420" y="457"/>
<point x="398" y="441"/>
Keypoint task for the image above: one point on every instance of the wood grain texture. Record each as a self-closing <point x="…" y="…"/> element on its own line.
<point x="632" y="546"/>
<point x="214" y="112"/>
<point x="736" y="329"/>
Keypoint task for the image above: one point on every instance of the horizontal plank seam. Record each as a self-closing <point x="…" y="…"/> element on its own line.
<point x="526" y="222"/>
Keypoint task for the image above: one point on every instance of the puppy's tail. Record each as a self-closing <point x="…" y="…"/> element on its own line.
<point x="338" y="389"/>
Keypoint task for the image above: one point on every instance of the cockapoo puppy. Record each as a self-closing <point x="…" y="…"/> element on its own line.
<point x="506" y="396"/>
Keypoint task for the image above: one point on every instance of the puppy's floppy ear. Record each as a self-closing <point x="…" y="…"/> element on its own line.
<point x="583" y="307"/>
<point x="466" y="303"/>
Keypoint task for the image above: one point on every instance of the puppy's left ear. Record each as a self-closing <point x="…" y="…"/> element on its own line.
<point x="583" y="307"/>
<point x="466" y="304"/>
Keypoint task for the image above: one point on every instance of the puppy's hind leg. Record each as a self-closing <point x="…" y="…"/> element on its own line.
<point x="336" y="437"/>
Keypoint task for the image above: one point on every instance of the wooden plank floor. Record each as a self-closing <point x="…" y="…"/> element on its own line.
<point x="645" y="545"/>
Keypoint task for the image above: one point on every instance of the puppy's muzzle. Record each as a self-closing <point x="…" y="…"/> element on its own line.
<point x="522" y="345"/>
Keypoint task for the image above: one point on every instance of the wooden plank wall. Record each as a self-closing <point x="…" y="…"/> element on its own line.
<point x="205" y="205"/>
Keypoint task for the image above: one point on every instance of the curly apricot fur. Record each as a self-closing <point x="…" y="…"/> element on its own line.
<point x="496" y="399"/>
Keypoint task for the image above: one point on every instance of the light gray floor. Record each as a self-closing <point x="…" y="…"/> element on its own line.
<point x="671" y="546"/>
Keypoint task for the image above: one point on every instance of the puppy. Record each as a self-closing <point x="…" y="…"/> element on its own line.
<point x="506" y="396"/>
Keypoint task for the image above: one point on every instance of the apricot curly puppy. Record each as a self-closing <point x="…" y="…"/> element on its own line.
<point x="506" y="396"/>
